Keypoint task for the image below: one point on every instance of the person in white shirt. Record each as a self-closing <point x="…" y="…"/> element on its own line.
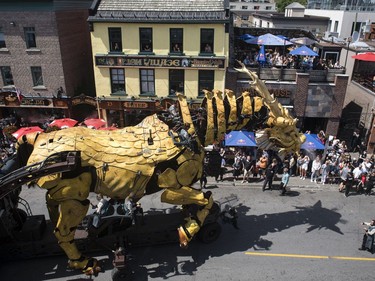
<point x="315" y="168"/>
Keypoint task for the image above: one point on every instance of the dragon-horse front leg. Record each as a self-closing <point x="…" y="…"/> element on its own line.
<point x="68" y="204"/>
<point x="178" y="192"/>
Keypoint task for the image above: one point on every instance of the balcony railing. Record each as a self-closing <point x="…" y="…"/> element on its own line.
<point x="289" y="74"/>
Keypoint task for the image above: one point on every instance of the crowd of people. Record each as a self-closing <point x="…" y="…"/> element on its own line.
<point x="277" y="59"/>
<point x="334" y="165"/>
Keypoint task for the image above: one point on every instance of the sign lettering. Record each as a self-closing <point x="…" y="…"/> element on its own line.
<point x="161" y="61"/>
<point x="135" y="104"/>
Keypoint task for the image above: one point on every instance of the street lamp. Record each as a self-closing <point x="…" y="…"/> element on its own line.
<point x="349" y="39"/>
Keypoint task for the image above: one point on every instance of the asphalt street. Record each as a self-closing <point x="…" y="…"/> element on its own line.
<point x="311" y="234"/>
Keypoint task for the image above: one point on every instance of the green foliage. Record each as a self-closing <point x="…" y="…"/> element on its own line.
<point x="281" y="4"/>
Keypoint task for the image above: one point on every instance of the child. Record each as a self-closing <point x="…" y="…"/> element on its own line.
<point x="284" y="182"/>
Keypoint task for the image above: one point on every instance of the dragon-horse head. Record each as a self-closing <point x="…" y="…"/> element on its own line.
<point x="281" y="133"/>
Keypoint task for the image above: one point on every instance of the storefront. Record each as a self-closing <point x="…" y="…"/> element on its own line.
<point x="32" y="110"/>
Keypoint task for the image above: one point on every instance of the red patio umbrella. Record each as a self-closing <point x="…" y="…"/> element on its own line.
<point x="95" y="123"/>
<point x="26" y="130"/>
<point x="63" y="123"/>
<point x="369" y="56"/>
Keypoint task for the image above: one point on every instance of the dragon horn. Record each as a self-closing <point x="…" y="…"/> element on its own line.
<point x="259" y="86"/>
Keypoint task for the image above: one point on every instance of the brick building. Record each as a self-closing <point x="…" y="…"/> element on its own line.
<point x="45" y="54"/>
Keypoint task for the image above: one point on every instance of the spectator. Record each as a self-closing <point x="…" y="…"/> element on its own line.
<point x="262" y="164"/>
<point x="315" y="169"/>
<point x="284" y="181"/>
<point x="370" y="183"/>
<point x="368" y="237"/>
<point x="325" y="171"/>
<point x="304" y="166"/>
<point x="247" y="61"/>
<point x="237" y="168"/>
<point x="270" y="174"/>
<point x="343" y="177"/>
<point x="247" y="168"/>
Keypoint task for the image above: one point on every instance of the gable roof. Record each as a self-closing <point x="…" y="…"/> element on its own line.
<point x="161" y="5"/>
<point x="295" y="5"/>
<point x="164" y="11"/>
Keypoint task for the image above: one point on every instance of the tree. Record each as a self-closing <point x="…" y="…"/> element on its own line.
<point x="281" y="4"/>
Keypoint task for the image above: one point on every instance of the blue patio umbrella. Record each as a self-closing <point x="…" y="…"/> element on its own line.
<point x="312" y="142"/>
<point x="240" y="138"/>
<point x="268" y="39"/>
<point x="262" y="55"/>
<point x="246" y="37"/>
<point x="303" y="51"/>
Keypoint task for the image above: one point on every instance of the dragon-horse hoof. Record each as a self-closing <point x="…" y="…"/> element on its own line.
<point x="186" y="232"/>
<point x="89" y="266"/>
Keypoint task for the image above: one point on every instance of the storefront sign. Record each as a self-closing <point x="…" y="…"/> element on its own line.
<point x="36" y="102"/>
<point x="82" y="99"/>
<point x="114" y="105"/>
<point x="160" y="61"/>
<point x="136" y="104"/>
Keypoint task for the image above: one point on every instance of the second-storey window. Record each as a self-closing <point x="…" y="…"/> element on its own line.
<point x="117" y="81"/>
<point x="147" y="81"/>
<point x="7" y="76"/>
<point x="145" y="36"/>
<point x="205" y="81"/>
<point x="176" y="40"/>
<point x="36" y="73"/>
<point x="2" y="39"/>
<point x="176" y="81"/>
<point x="207" y="40"/>
<point x="30" y="37"/>
<point x="115" y="41"/>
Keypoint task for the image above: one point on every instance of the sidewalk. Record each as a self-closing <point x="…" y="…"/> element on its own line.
<point x="294" y="182"/>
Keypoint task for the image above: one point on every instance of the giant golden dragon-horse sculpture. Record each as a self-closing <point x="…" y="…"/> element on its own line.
<point x="150" y="156"/>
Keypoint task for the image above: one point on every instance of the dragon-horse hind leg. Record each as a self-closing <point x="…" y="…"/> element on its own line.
<point x="186" y="196"/>
<point x="177" y="192"/>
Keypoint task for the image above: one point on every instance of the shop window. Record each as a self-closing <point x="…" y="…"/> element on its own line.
<point x="207" y="41"/>
<point x="115" y="41"/>
<point x="147" y="82"/>
<point x="118" y="81"/>
<point x="176" y="40"/>
<point x="7" y="76"/>
<point x="205" y="81"/>
<point x="36" y="73"/>
<point x="176" y="81"/>
<point x="145" y="35"/>
<point x="30" y="37"/>
<point x="2" y="39"/>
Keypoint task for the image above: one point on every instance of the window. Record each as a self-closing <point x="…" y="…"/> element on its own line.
<point x="145" y="35"/>
<point x="7" y="76"/>
<point x="244" y="7"/>
<point x="2" y="39"/>
<point x="244" y="17"/>
<point x="117" y="81"/>
<point x="30" y="37"/>
<point x="36" y="73"/>
<point x="206" y="81"/>
<point x="256" y="8"/>
<point x="147" y="81"/>
<point x="336" y="26"/>
<point x="176" y="81"/>
<point x="176" y="40"/>
<point x="268" y="8"/>
<point x="115" y="42"/>
<point x="207" y="41"/>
